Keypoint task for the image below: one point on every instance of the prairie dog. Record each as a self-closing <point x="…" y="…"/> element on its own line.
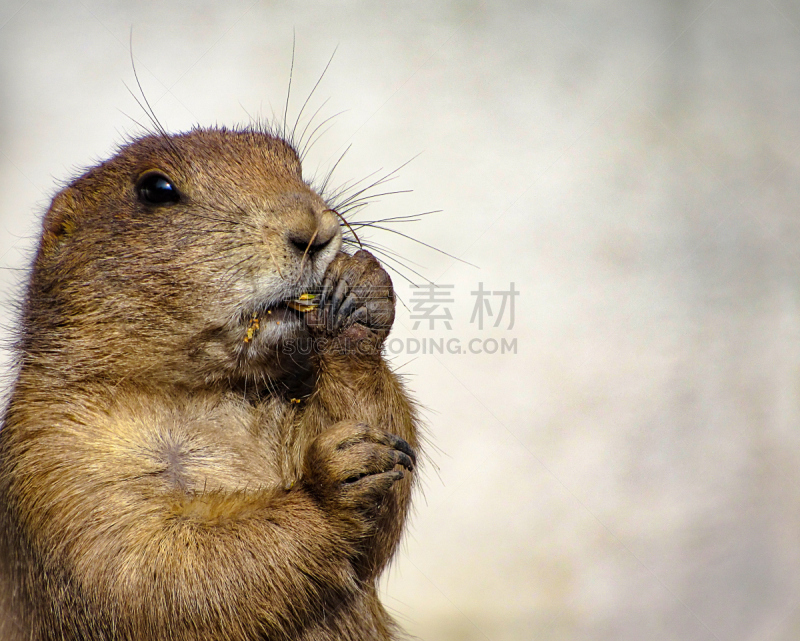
<point x="172" y="464"/>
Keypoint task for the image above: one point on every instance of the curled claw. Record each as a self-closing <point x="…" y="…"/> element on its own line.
<point x="403" y="447"/>
<point x="401" y="458"/>
<point x="354" y="464"/>
<point x="356" y="301"/>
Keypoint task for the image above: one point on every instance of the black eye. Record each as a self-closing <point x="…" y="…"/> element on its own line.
<point x="157" y="189"/>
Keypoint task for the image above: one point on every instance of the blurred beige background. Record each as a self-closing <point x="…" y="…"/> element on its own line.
<point x="632" y="471"/>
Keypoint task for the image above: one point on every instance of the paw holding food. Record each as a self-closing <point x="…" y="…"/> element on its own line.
<point x="356" y="302"/>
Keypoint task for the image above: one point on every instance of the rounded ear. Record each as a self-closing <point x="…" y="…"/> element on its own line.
<point x="60" y="219"/>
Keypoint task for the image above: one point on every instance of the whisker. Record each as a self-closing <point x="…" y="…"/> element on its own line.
<point x="353" y="210"/>
<point x="308" y="124"/>
<point x="406" y="218"/>
<point x="391" y="252"/>
<point x="349" y="184"/>
<point x="347" y="198"/>
<point x="149" y="110"/>
<point x="313" y="142"/>
<point x="370" y="223"/>
<point x="389" y="176"/>
<point x="289" y="90"/>
<point x="344" y="220"/>
<point x="371" y="197"/>
<point x="401" y="263"/>
<point x="252" y="120"/>
<point x="424" y="244"/>
<point x="305" y="253"/>
<point x="319" y="80"/>
<point x="132" y="119"/>
<point x="215" y="219"/>
<point x="324" y="185"/>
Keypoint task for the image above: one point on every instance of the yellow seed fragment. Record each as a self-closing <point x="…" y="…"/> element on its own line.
<point x="303" y="303"/>
<point x="252" y="328"/>
<point x="301" y="307"/>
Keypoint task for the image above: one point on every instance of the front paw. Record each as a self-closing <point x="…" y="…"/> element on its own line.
<point x="356" y="304"/>
<point x="351" y="467"/>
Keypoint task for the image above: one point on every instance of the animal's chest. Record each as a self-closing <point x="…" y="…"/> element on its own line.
<point x="207" y="446"/>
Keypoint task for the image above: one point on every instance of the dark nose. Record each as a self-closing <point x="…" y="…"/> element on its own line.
<point x="317" y="232"/>
<point x="312" y="243"/>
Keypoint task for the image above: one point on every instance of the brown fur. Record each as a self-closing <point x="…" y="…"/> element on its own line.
<point x="163" y="475"/>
